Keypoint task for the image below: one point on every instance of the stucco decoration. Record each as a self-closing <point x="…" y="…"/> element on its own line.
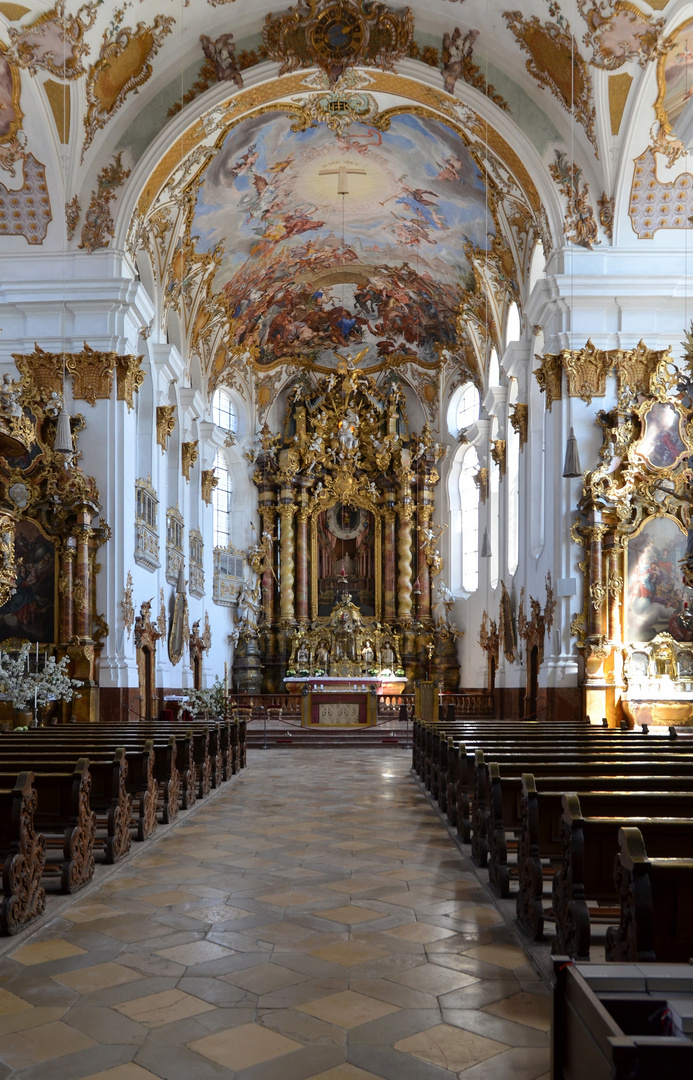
<point x="11" y="150"/>
<point x="658" y="204"/>
<point x="555" y="61"/>
<point x="338" y="34"/>
<point x="98" y="225"/>
<point x="619" y="32"/>
<point x="55" y="42"/>
<point x="458" y="63"/>
<point x="124" y="64"/>
<point x="674" y="70"/>
<point x="580" y="224"/>
<point x="26" y="211"/>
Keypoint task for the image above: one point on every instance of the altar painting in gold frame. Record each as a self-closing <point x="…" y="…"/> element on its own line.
<point x="654" y="586"/>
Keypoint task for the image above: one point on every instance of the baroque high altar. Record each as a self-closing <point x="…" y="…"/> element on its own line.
<point x="346" y="497"/>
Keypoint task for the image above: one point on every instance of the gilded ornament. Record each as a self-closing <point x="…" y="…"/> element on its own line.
<point x="161" y="618"/>
<point x="207" y="634"/>
<point x="550" y="377"/>
<point x="580" y="226"/>
<point x="338" y="110"/>
<point x="498" y="454"/>
<point x="55" y="42"/>
<point x="555" y="61"/>
<point x="92" y="373"/>
<point x="165" y="424"/>
<point x="123" y="66"/>
<point x="457" y="62"/>
<point x="8" y="567"/>
<point x="338" y="34"/>
<point x="619" y="32"/>
<point x="586" y="370"/>
<point x="519" y="417"/>
<point x="208" y="483"/>
<point x="42" y="374"/>
<point x="606" y="214"/>
<point x="129" y="378"/>
<point x="481" y="481"/>
<point x="72" y="212"/>
<point x="79" y="596"/>
<point x="98" y="228"/>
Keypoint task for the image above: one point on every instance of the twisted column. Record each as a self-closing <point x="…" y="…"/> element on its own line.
<point x="268" y="523"/>
<point x="66" y="587"/>
<point x="404" y="605"/>
<point x="302" y="583"/>
<point x="389" y="573"/>
<point x="286" y="564"/>
<point x="81" y="591"/>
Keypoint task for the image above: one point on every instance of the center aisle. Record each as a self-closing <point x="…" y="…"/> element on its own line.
<point x="311" y="914"/>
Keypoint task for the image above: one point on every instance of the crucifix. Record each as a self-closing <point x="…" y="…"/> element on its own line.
<point x="341" y="172"/>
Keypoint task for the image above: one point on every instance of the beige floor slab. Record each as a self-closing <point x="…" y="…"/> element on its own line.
<point x="292" y="898"/>
<point x="168" y="898"/>
<point x="244" y="1046"/>
<point x="507" y="956"/>
<point x="347" y="1009"/>
<point x="349" y="953"/>
<point x="27" y="1048"/>
<point x="534" y="1010"/>
<point x="343" y="1072"/>
<point x="196" y="952"/>
<point x="265" y="978"/>
<point x="86" y="980"/>
<point x="433" y="979"/>
<point x="154" y="1010"/>
<point x="424" y="933"/>
<point x="42" y="952"/>
<point x="90" y="912"/>
<point x="124" y="1072"/>
<point x="450" y="1048"/>
<point x="349" y="914"/>
<point x="11" y="1003"/>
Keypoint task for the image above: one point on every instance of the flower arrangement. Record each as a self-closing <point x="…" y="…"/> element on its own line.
<point x="210" y="700"/>
<point x="24" y="687"/>
<point x="318" y="671"/>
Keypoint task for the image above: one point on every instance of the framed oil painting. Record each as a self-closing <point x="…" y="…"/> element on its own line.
<point x="662" y="445"/>
<point x="654" y="586"/>
<point x="29" y="614"/>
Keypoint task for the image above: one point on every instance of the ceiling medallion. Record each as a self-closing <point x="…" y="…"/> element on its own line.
<point x="338" y="34"/>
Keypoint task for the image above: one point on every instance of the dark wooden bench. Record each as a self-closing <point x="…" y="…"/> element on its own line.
<point x="656" y="898"/>
<point x="541" y="845"/>
<point x="586" y="877"/>
<point x="108" y="796"/>
<point x="23" y="854"/>
<point x="64" y="816"/>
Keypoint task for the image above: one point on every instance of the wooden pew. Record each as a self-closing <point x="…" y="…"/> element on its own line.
<point x="586" y="876"/>
<point x="541" y="846"/>
<point x="108" y="797"/>
<point x="68" y="823"/>
<point x="656" y="897"/>
<point x="23" y="855"/>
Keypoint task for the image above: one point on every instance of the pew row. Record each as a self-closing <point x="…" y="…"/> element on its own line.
<point x="23" y="854"/>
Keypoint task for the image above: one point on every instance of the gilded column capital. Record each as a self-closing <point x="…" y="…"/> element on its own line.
<point x="129" y="378"/>
<point x="188" y="457"/>
<point x="208" y="483"/>
<point x="165" y="424"/>
<point x="519" y="417"/>
<point x="586" y="370"/>
<point x="498" y="454"/>
<point x="549" y="375"/>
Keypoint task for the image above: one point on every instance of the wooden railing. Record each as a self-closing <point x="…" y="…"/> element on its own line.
<point x="476" y="703"/>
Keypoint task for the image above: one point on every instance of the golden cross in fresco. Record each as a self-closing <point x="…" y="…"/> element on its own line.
<point x="342" y="174"/>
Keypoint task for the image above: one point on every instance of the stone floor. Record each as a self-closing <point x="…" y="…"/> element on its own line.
<point x="311" y="921"/>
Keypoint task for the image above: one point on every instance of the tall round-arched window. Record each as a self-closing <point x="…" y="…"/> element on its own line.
<point x="493" y="369"/>
<point x="469" y="500"/>
<point x="221" y="502"/>
<point x="467" y="407"/>
<point x="512" y="326"/>
<point x="224" y="411"/>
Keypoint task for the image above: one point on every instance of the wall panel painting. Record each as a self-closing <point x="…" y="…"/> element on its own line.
<point x="654" y="589"/>
<point x="346" y="553"/>
<point x="662" y="444"/>
<point x="30" y="613"/>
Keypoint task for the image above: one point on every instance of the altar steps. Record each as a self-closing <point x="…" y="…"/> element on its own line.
<point x="330" y="738"/>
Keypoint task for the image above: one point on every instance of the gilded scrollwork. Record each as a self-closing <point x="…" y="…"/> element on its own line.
<point x="555" y="61"/>
<point x="580" y="224"/>
<point x="519" y="418"/>
<point x="92" y="373"/>
<point x="111" y="79"/>
<point x="618" y="32"/>
<point x="498" y="454"/>
<point x="208" y="482"/>
<point x="55" y="42"/>
<point x="98" y="228"/>
<point x="550" y="377"/>
<point x="165" y="424"/>
<point x="586" y="370"/>
<point x="189" y="455"/>
<point x="129" y="378"/>
<point x="127" y="606"/>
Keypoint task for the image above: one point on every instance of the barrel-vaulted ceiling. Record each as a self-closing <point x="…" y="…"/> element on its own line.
<point x="341" y="176"/>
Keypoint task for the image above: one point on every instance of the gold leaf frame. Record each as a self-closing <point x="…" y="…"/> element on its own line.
<point x="365" y="504"/>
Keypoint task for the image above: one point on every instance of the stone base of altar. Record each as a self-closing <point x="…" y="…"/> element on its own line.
<point x="659" y="711"/>
<point x="329" y="709"/>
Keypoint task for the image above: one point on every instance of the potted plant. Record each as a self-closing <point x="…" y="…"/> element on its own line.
<point x="210" y="701"/>
<point x="28" y="691"/>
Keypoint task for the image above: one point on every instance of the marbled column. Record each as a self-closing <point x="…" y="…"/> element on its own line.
<point x="615" y="587"/>
<point x="268" y="514"/>
<point x="597" y="589"/>
<point x="302" y="582"/>
<point x="423" y="600"/>
<point x="404" y="563"/>
<point x="82" y="585"/>
<point x="286" y="564"/>
<point x="389" y="573"/>
<point x="66" y="590"/>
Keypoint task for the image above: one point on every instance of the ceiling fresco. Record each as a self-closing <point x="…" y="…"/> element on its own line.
<point x="381" y="268"/>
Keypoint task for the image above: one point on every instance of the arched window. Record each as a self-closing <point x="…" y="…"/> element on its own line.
<point x="467" y="407"/>
<point x="221" y="502"/>
<point x="493" y="369"/>
<point x="224" y="411"/>
<point x="512" y="479"/>
<point x="512" y="326"/>
<point x="469" y="520"/>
